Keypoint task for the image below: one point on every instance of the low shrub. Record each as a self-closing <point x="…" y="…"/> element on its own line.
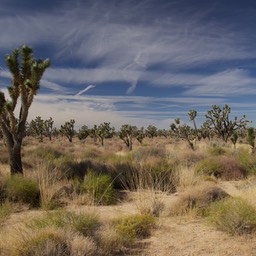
<point x="233" y="215"/>
<point x="22" y="190"/>
<point x="247" y="160"/>
<point x="196" y="199"/>
<point x="227" y="168"/>
<point x="136" y="226"/>
<point x="99" y="188"/>
<point x="216" y="151"/>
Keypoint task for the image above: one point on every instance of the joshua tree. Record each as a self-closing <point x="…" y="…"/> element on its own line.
<point x="183" y="132"/>
<point x="151" y="131"/>
<point x="48" y="126"/>
<point x="218" y="120"/>
<point x="68" y="130"/>
<point x="140" y="135"/>
<point x="36" y="128"/>
<point x="251" y="138"/>
<point x="126" y="134"/>
<point x="105" y="131"/>
<point x="192" y="116"/>
<point x="26" y="75"/>
<point x="83" y="132"/>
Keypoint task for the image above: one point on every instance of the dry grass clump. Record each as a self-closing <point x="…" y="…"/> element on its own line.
<point x="85" y="224"/>
<point x="195" y="199"/>
<point x="233" y="215"/>
<point x="49" y="241"/>
<point x="185" y="176"/>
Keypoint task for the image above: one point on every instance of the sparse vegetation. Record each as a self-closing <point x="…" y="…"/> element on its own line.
<point x="128" y="190"/>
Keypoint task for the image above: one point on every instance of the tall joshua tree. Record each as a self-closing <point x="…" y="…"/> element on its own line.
<point x="26" y="75"/>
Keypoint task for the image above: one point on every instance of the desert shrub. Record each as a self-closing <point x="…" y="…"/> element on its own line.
<point x="83" y="223"/>
<point x="47" y="153"/>
<point x="247" y="160"/>
<point x="136" y="226"/>
<point x="233" y="215"/>
<point x="196" y="199"/>
<point x="231" y="169"/>
<point x="209" y="166"/>
<point x="216" y="151"/>
<point x="227" y="168"/>
<point x="144" y="153"/>
<point x="99" y="188"/>
<point x="23" y="190"/>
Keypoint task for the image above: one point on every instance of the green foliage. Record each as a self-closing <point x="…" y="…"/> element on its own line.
<point x="105" y="131"/>
<point x="99" y="187"/>
<point x="134" y="227"/>
<point x="84" y="223"/>
<point x="233" y="215"/>
<point x="23" y="190"/>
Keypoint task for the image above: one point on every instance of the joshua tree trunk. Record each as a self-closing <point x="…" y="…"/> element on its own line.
<point x="15" y="159"/>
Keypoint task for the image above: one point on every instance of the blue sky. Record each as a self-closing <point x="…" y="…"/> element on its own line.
<point x="137" y="62"/>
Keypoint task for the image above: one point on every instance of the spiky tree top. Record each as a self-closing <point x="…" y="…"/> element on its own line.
<point x="26" y="74"/>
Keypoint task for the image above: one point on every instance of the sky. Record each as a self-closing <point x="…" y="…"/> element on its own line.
<point x="139" y="62"/>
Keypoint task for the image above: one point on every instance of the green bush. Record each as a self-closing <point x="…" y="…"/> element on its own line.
<point x="99" y="188"/>
<point x="233" y="215"/>
<point x="23" y="190"/>
<point x="134" y="227"/>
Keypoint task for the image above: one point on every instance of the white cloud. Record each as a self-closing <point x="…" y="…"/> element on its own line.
<point x="85" y="89"/>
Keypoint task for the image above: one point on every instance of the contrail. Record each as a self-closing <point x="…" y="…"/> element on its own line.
<point x="85" y="89"/>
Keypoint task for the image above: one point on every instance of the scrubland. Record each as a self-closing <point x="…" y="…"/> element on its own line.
<point x="161" y="198"/>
